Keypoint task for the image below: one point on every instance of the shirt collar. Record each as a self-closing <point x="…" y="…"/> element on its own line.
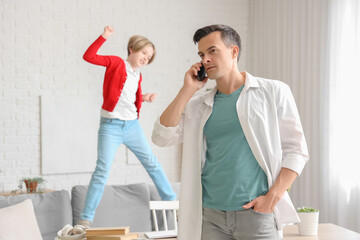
<point x="250" y="82"/>
<point x="130" y="70"/>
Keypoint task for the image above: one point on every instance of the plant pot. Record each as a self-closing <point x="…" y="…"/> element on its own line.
<point x="309" y="223"/>
<point x="30" y="186"/>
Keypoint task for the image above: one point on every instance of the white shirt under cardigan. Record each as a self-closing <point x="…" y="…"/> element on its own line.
<point x="268" y="115"/>
<point x="125" y="108"/>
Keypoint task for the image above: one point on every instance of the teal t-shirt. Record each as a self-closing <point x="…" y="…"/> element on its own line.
<point x="231" y="176"/>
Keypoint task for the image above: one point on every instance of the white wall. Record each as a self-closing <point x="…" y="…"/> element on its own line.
<point x="42" y="43"/>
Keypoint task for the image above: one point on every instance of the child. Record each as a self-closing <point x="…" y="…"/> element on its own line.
<point x="119" y="118"/>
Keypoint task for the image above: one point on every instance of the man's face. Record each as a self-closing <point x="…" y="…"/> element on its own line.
<point x="216" y="57"/>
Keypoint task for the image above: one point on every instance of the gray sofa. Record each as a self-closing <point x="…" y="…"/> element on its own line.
<point x="121" y="205"/>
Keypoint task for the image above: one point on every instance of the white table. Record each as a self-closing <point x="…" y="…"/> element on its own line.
<point x="327" y="231"/>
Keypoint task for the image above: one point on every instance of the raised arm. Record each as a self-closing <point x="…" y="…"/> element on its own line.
<point x="169" y="128"/>
<point x="91" y="55"/>
<point x="108" y="31"/>
<point x="172" y="114"/>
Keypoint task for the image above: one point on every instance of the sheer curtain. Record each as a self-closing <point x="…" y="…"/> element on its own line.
<point x="314" y="47"/>
<point x="344" y="112"/>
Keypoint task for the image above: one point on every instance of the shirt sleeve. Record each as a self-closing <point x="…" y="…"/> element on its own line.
<point x="167" y="136"/>
<point x="293" y="143"/>
<point x="91" y="55"/>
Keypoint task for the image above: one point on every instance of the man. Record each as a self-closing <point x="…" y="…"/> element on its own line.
<point x="243" y="146"/>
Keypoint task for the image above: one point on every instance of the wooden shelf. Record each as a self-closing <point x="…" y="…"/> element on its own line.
<point x="24" y="192"/>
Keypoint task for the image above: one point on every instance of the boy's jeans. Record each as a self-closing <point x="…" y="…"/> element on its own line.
<point x="112" y="133"/>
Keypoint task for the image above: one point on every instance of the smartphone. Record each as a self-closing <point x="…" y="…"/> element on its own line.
<point x="201" y="74"/>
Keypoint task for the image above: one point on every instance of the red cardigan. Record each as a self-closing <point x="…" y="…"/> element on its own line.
<point x="115" y="76"/>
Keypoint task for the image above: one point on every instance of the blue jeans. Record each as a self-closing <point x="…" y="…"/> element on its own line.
<point x="112" y="133"/>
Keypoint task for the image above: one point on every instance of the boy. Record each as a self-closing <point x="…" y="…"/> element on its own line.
<point x="119" y="118"/>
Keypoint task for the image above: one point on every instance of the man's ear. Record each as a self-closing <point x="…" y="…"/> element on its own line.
<point x="234" y="51"/>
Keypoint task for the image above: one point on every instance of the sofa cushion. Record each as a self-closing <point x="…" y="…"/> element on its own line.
<point x="18" y="221"/>
<point x="121" y="205"/>
<point x="52" y="210"/>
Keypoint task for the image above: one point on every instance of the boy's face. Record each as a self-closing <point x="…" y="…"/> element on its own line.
<point x="215" y="55"/>
<point x="142" y="57"/>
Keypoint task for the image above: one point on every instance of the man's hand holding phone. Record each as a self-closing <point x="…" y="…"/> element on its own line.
<point x="192" y="80"/>
<point x="172" y="114"/>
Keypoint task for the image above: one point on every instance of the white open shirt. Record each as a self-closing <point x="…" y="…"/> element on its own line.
<point x="268" y="115"/>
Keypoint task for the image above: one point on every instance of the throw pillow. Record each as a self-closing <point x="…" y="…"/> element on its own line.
<point x="19" y="222"/>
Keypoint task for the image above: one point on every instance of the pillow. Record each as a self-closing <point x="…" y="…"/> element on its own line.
<point x="19" y="222"/>
<point x="52" y="210"/>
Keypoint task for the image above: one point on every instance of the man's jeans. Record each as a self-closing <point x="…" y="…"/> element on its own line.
<point x="238" y="225"/>
<point x="113" y="133"/>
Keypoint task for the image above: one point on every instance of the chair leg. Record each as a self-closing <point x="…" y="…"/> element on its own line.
<point x="175" y="220"/>
<point x="165" y="220"/>
<point x="155" y="220"/>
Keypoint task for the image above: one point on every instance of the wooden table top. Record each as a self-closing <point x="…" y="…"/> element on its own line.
<point x="327" y="231"/>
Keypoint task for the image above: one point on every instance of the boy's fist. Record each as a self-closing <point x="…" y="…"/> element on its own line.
<point x="108" y="31"/>
<point x="149" y="97"/>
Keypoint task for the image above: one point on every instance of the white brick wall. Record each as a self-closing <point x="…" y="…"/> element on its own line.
<point x="41" y="45"/>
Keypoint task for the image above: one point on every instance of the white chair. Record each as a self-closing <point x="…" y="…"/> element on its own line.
<point x="163" y="206"/>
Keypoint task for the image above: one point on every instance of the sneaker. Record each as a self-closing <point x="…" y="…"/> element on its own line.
<point x="85" y="223"/>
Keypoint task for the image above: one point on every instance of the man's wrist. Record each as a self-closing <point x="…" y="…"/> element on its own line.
<point x="274" y="195"/>
<point x="188" y="91"/>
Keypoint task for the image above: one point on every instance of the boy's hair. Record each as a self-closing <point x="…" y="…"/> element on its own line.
<point x="228" y="34"/>
<point x="137" y="42"/>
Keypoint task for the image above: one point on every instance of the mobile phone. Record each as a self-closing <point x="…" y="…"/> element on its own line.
<point x="201" y="74"/>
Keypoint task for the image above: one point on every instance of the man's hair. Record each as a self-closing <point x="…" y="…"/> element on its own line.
<point x="137" y="42"/>
<point x="229" y="36"/>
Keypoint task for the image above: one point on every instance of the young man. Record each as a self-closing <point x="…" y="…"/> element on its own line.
<point x="243" y="146"/>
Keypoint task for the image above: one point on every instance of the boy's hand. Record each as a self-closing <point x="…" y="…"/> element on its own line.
<point x="149" y="97"/>
<point x="108" y="31"/>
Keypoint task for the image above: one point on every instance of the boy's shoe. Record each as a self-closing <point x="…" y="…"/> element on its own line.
<point x="85" y="223"/>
